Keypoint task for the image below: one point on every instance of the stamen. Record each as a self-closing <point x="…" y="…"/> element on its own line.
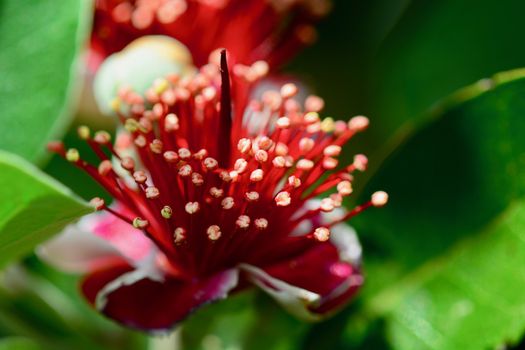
<point x="72" y="155"/>
<point x="179" y="235"/>
<point x="261" y="223"/>
<point x="97" y="203"/>
<point x="322" y="234"/>
<point x="214" y="232"/>
<point x="379" y="198"/>
<point x="243" y="221"/>
<point x="166" y="212"/>
<point x="283" y="199"/>
<point x="192" y="207"/>
<point x="140" y="223"/>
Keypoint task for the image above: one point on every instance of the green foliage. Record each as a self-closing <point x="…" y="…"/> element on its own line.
<point x="39" y="46"/>
<point x="15" y="343"/>
<point x="33" y="208"/>
<point x="451" y="231"/>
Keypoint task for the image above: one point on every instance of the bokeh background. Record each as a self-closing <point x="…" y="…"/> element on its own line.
<point x="443" y="84"/>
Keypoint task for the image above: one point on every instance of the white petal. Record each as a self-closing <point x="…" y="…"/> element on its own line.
<point x="76" y="249"/>
<point x="294" y="299"/>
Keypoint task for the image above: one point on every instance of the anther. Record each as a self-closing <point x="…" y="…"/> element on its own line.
<point x="256" y="175"/>
<point x="166" y="212"/>
<point x="97" y="203"/>
<point x="185" y="170"/>
<point x="140" y="176"/>
<point x="358" y="123"/>
<point x="184" y="153"/>
<point x="332" y="151"/>
<point x="240" y="165"/>
<point x="210" y="163"/>
<point x="344" y="188"/>
<point x="322" y="234"/>
<point x="192" y="207"/>
<point x="227" y="203"/>
<point x="360" y="162"/>
<point x="140" y="223"/>
<point x="156" y="146"/>
<point x="83" y="132"/>
<point x="171" y="122"/>
<point x="102" y="137"/>
<point x="288" y="90"/>
<point x="197" y="179"/>
<point x="261" y="223"/>
<point x="379" y="198"/>
<point x="215" y="192"/>
<point x="244" y="145"/>
<point x="261" y="156"/>
<point x="152" y="192"/>
<point x="305" y="164"/>
<point x="214" y="232"/>
<point x="179" y="235"/>
<point x="252" y="196"/>
<point x="306" y="144"/>
<point x="72" y="155"/>
<point x="105" y="167"/>
<point x="171" y="156"/>
<point x="283" y="199"/>
<point x="294" y="181"/>
<point x="327" y="205"/>
<point x="243" y="221"/>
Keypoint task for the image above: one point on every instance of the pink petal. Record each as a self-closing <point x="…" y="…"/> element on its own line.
<point x="319" y="281"/>
<point x="78" y="250"/>
<point x="154" y="305"/>
<point x="131" y="242"/>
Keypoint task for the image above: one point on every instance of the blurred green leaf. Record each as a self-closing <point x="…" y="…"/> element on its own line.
<point x="471" y="298"/>
<point x="39" y="45"/>
<point x="16" y="343"/>
<point x="448" y="182"/>
<point x="33" y="207"/>
<point x="392" y="60"/>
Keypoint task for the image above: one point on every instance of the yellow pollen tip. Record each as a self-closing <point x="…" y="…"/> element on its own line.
<point x="72" y="155"/>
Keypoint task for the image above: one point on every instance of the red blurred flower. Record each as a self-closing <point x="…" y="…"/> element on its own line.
<point x="224" y="189"/>
<point x="276" y="28"/>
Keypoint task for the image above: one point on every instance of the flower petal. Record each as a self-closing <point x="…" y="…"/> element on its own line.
<point x="319" y="281"/>
<point x="78" y="250"/>
<point x="140" y="302"/>
<point x="96" y="240"/>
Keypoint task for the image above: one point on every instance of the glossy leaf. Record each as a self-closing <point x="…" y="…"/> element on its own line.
<point x="39" y="46"/>
<point x="33" y="207"/>
<point x="449" y="183"/>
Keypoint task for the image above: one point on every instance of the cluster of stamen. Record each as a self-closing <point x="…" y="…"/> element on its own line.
<point x="191" y="174"/>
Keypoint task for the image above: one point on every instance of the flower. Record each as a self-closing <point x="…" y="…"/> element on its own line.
<point x="277" y="28"/>
<point x="223" y="186"/>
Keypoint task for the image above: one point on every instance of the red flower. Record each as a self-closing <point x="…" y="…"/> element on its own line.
<point x="224" y="189"/>
<point x="278" y="28"/>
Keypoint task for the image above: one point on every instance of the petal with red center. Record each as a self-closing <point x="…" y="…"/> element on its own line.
<point x="157" y="305"/>
<point x="317" y="282"/>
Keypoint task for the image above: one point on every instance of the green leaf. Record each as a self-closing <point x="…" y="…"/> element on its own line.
<point x="452" y="232"/>
<point x="33" y="207"/>
<point x="396" y="58"/>
<point x="16" y="343"/>
<point x="471" y="298"/>
<point x="39" y="46"/>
